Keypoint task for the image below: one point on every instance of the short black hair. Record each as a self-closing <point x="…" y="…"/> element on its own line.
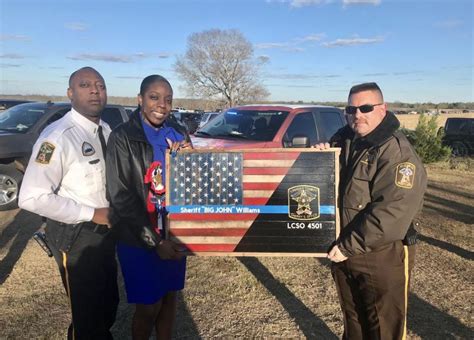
<point x="154" y="78"/>
<point x="73" y="74"/>
<point x="365" y="87"/>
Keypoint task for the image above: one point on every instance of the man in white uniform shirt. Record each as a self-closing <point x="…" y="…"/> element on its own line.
<point x="65" y="182"/>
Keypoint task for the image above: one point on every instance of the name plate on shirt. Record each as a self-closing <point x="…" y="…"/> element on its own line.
<point x="253" y="202"/>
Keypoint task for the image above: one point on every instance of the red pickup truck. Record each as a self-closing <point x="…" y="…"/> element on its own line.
<point x="270" y="126"/>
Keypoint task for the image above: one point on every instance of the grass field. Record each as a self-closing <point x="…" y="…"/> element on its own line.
<point x="263" y="297"/>
<point x="410" y="121"/>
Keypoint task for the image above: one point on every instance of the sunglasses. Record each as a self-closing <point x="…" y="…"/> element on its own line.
<point x="366" y="108"/>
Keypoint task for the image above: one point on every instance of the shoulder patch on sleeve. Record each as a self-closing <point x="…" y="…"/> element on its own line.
<point x="45" y="153"/>
<point x="405" y="175"/>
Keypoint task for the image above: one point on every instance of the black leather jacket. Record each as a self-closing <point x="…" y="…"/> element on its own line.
<point x="128" y="157"/>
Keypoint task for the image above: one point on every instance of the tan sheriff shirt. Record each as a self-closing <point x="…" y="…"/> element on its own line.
<point x="65" y="177"/>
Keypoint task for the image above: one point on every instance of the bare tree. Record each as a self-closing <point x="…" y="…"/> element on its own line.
<point x="220" y="63"/>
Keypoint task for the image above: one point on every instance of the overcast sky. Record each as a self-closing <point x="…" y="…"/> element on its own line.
<point x="417" y="50"/>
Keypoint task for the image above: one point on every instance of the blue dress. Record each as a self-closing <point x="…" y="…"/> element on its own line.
<point x="147" y="277"/>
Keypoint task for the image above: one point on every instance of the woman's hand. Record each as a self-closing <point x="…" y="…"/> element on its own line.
<point x="168" y="250"/>
<point x="175" y="146"/>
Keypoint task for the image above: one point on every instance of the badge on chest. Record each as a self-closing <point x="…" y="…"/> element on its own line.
<point x="87" y="149"/>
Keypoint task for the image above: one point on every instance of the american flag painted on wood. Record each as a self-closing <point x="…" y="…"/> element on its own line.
<point x="253" y="202"/>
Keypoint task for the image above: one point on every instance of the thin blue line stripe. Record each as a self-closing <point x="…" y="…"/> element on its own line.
<point x="226" y="209"/>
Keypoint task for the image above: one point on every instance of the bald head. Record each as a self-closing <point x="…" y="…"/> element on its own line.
<point x="87" y="93"/>
<point x="86" y="68"/>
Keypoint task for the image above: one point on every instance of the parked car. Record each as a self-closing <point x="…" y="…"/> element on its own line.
<point x="130" y="109"/>
<point x="20" y="127"/>
<point x="190" y="120"/>
<point x="459" y="135"/>
<point x="5" y="104"/>
<point x="207" y="117"/>
<point x="270" y="126"/>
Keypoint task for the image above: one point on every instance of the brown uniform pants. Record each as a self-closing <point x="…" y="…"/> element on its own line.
<point x="373" y="292"/>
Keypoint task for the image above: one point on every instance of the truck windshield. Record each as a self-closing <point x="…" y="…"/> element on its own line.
<point x="21" y="118"/>
<point x="244" y="124"/>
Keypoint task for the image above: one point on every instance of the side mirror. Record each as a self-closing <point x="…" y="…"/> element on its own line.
<point x="300" y="142"/>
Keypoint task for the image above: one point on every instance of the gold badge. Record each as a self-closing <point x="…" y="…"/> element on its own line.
<point x="405" y="175"/>
<point x="303" y="202"/>
<point x="45" y="153"/>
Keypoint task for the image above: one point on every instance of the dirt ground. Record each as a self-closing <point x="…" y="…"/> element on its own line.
<point x="262" y="297"/>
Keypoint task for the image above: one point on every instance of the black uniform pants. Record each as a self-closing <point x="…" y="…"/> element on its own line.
<point x="89" y="273"/>
<point x="373" y="292"/>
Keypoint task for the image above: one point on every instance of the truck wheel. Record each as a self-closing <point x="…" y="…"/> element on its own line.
<point x="459" y="149"/>
<point x="10" y="179"/>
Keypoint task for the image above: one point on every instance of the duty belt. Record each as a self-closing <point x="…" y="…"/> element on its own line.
<point x="94" y="227"/>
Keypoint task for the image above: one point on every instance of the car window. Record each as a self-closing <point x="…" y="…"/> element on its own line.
<point x="112" y="116"/>
<point x="258" y="125"/>
<point x="57" y="116"/>
<point x="212" y="116"/>
<point x="191" y="121"/>
<point x="177" y="115"/>
<point x="302" y="125"/>
<point x="328" y="124"/>
<point x="207" y="117"/>
<point x="6" y="104"/>
<point x="458" y="126"/>
<point x="21" y="118"/>
<point x="465" y="128"/>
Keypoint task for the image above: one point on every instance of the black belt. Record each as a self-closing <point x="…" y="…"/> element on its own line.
<point x="95" y="228"/>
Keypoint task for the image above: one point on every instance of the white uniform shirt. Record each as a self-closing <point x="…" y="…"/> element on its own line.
<point x="65" y="177"/>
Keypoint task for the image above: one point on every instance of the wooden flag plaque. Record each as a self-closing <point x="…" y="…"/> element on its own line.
<point x="265" y="202"/>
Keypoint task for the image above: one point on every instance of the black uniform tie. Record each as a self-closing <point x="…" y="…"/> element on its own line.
<point x="102" y="141"/>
